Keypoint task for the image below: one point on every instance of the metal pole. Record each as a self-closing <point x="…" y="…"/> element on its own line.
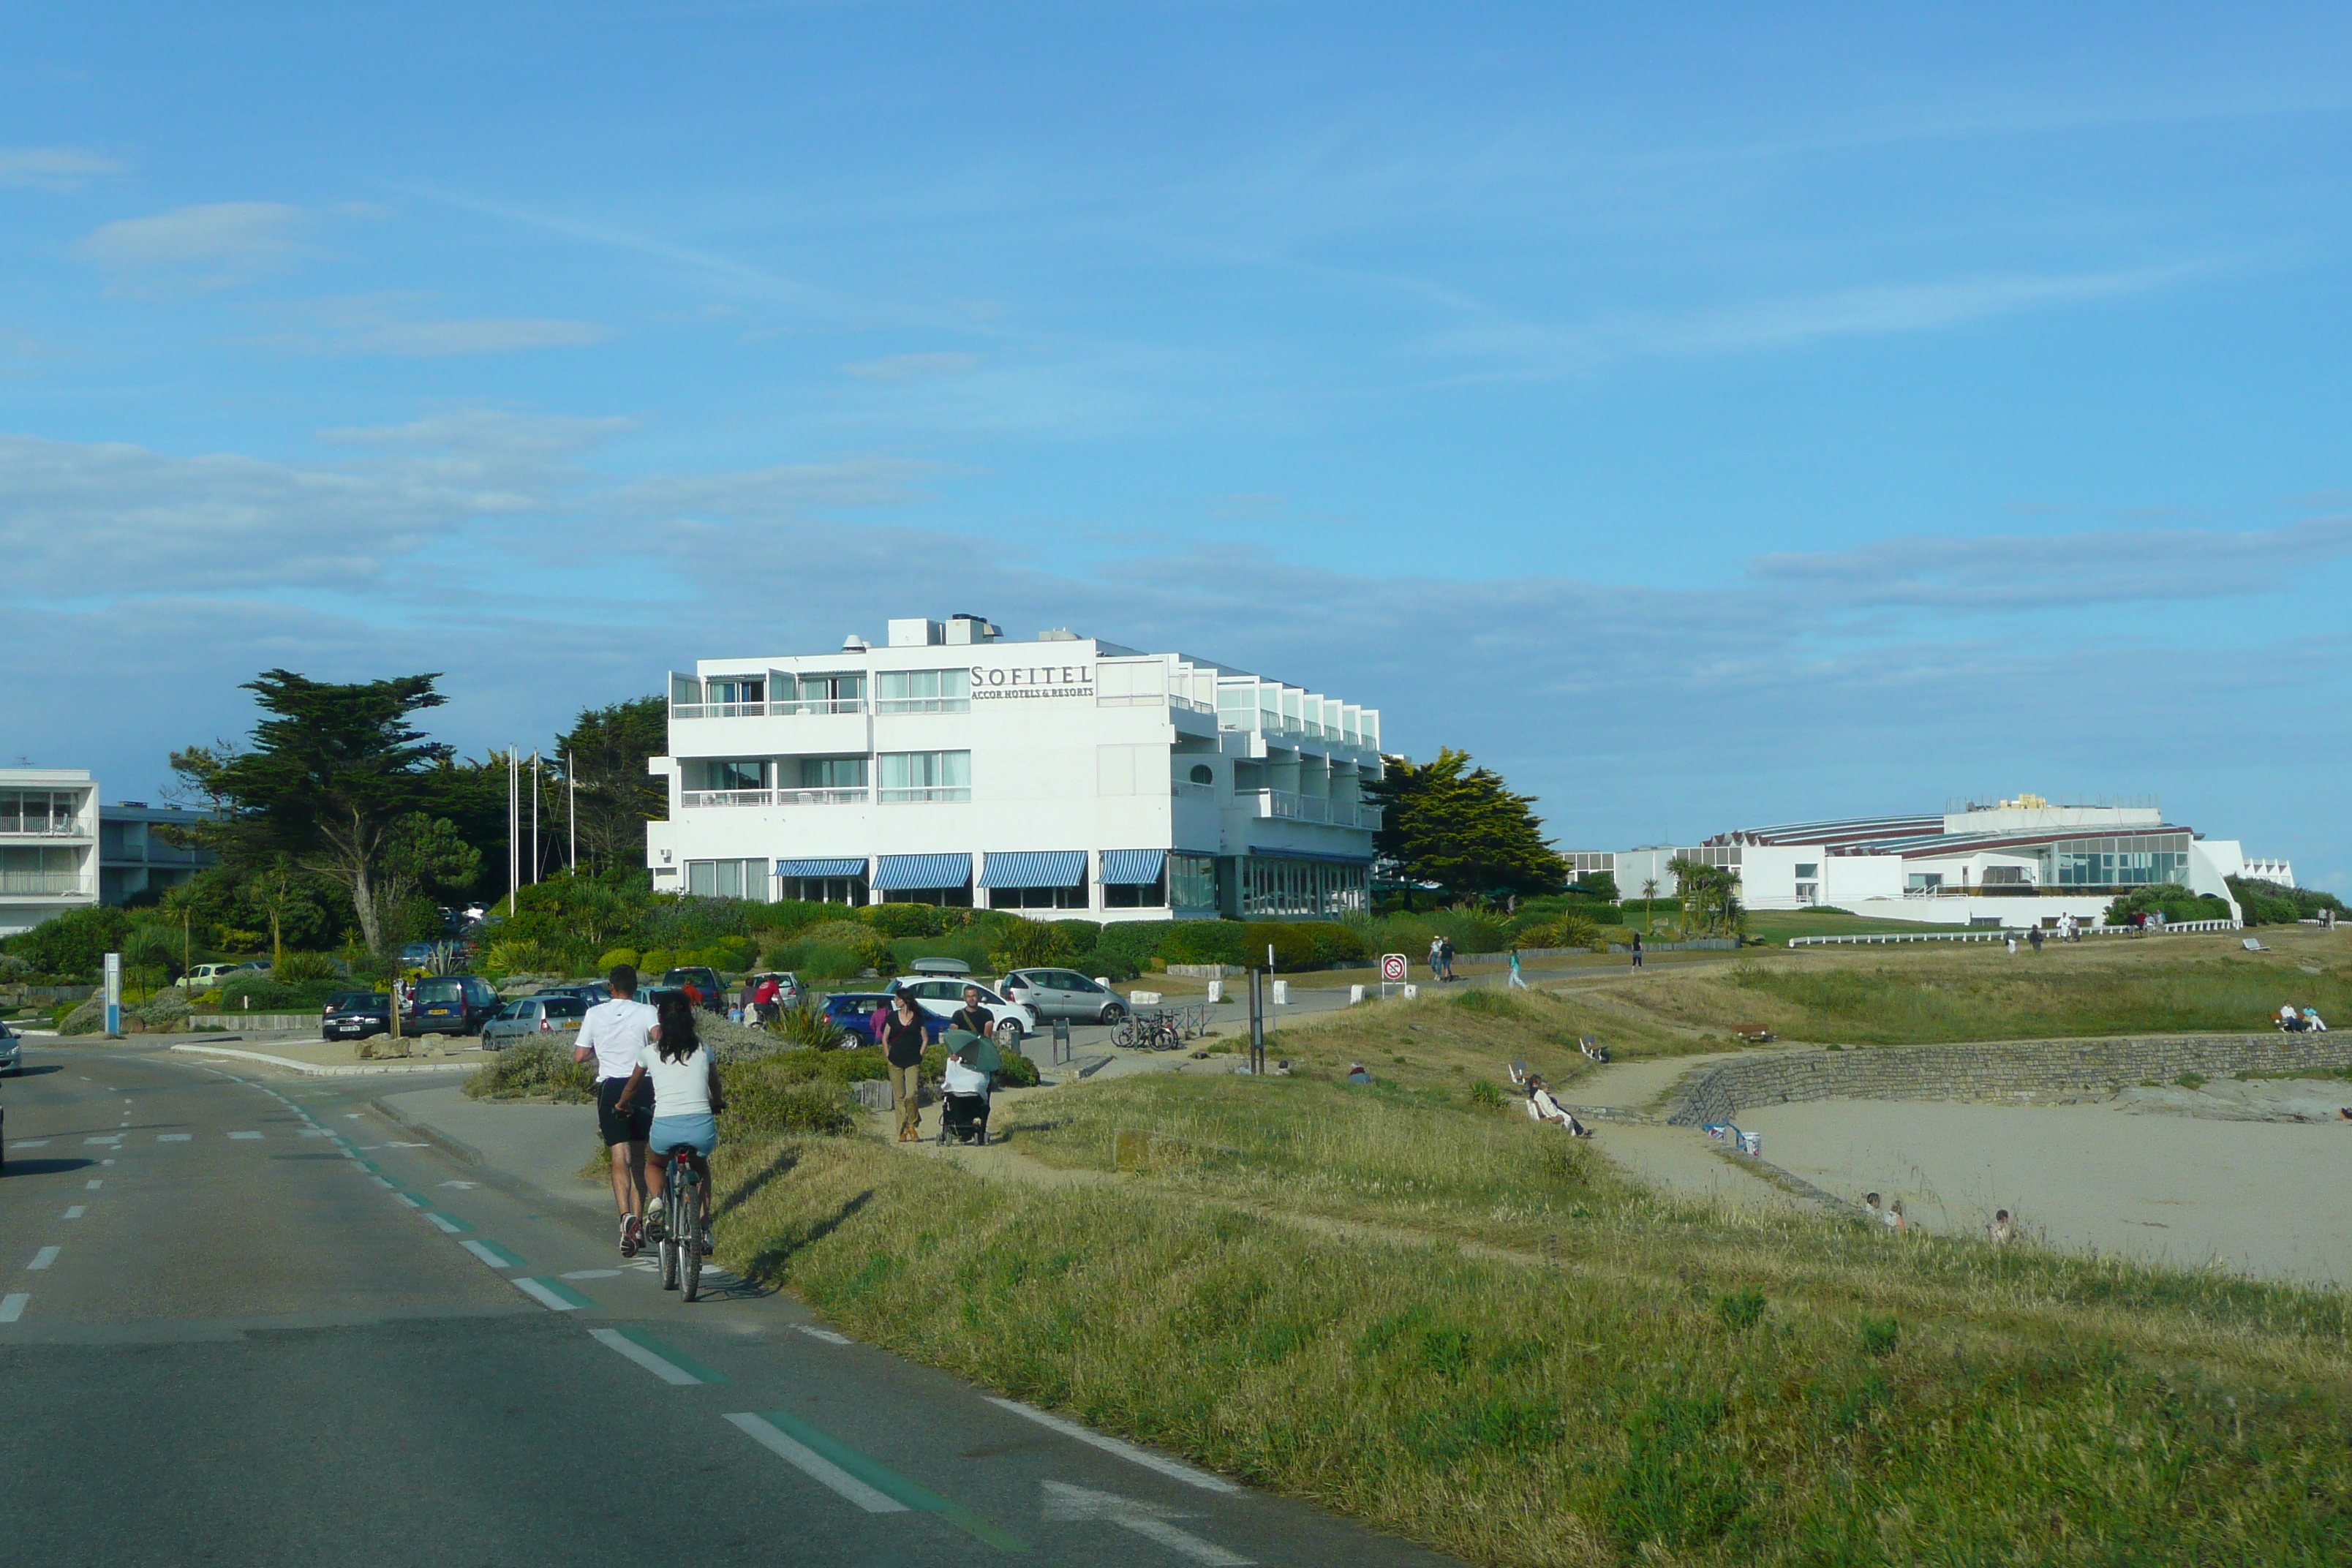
<point x="534" y="818"/>
<point x="571" y="816"/>
<point x="1257" y="1023"/>
<point x="514" y="835"/>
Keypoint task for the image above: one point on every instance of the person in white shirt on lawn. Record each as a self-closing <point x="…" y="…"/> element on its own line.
<point x="613" y="1036"/>
<point x="685" y="1101"/>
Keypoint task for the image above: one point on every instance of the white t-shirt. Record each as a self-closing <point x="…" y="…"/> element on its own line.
<point x="681" y="1089"/>
<point x="616" y="1031"/>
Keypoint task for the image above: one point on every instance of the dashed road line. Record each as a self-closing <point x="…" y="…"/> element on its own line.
<point x="109" y="1141"/>
<point x="650" y="1353"/>
<point x="174" y="1137"/>
<point x="246" y="1135"/>
<point x="827" y="1335"/>
<point x="1128" y="1451"/>
<point x="491" y="1253"/>
<point x="842" y="1464"/>
<point x="448" y="1224"/>
<point x="30" y="1143"/>
<point x="44" y="1258"/>
<point x="411" y="1199"/>
<point x="381" y="1182"/>
<point x="12" y="1306"/>
<point x="93" y="1184"/>
<point x="77" y="1210"/>
<point x="593" y="1274"/>
<point x="553" y="1294"/>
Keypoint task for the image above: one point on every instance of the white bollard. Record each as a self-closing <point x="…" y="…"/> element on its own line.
<point x="1216" y="991"/>
<point x="1144" y="998"/>
<point x="1355" y="995"/>
<point x="1282" y="993"/>
<point x="1410" y="991"/>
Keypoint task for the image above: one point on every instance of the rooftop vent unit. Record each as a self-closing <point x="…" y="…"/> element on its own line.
<point x="1057" y="634"/>
<point x="853" y="643"/>
<point x="970" y="629"/>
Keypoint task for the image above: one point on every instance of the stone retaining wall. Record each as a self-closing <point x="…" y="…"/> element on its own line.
<point x="2020" y="1070"/>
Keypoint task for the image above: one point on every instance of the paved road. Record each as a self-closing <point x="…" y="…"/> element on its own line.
<point x="251" y="1322"/>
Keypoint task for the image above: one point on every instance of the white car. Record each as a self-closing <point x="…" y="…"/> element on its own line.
<point x="12" y="1052"/>
<point x="208" y="976"/>
<point x="941" y="996"/>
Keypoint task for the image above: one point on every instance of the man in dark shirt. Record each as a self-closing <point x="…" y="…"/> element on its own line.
<point x="972" y="1015"/>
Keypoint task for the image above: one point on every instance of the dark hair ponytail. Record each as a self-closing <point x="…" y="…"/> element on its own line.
<point x="675" y="1016"/>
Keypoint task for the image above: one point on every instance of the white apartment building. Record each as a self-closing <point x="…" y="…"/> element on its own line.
<point x="1980" y="865"/>
<point x="49" y="845"/>
<point x="1064" y="775"/>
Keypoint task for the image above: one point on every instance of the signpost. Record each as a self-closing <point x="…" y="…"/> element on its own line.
<point x="1257" y="1023"/>
<point x="113" y="994"/>
<point x="1393" y="969"/>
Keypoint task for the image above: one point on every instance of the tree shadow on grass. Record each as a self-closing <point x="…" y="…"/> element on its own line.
<point x="770" y="1260"/>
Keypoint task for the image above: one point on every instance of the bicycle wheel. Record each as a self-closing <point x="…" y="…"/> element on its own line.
<point x="691" y="1211"/>
<point x="671" y="1258"/>
<point x="1123" y="1032"/>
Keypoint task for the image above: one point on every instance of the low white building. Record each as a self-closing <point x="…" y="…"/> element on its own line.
<point x="1064" y="775"/>
<point x="49" y="845"/>
<point x="1977" y="866"/>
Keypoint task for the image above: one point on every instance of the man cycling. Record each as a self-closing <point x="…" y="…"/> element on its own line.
<point x="613" y="1037"/>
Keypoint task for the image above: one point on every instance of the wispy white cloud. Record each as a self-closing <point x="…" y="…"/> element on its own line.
<point x="392" y="325"/>
<point x="55" y="168"/>
<point x="198" y="248"/>
<point x="1997" y="571"/>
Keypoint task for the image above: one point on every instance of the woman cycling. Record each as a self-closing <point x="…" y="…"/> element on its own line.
<point x="686" y="1098"/>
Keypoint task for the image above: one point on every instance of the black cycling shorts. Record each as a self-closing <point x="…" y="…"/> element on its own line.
<point x="614" y="1125"/>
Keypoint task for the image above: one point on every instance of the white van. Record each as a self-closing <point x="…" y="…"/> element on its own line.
<point x="208" y="976"/>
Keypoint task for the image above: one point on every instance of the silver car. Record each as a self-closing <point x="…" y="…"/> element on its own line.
<point x="12" y="1052"/>
<point x="1066" y="993"/>
<point x="532" y="1018"/>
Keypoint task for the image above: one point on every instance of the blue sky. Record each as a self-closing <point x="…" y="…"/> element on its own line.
<point x="1706" y="419"/>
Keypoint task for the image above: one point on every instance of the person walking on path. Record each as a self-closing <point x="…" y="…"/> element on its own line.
<point x="1637" y="950"/>
<point x="1437" y="960"/>
<point x="1445" y="954"/>
<point x="971" y="1016"/>
<point x="2034" y="936"/>
<point x="614" y="1034"/>
<point x="902" y="1049"/>
<point x="1519" y="980"/>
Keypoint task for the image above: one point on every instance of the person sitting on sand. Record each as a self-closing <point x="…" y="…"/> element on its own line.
<point x="1870" y="1209"/>
<point x="2001" y="1229"/>
<point x="1896" y="1221"/>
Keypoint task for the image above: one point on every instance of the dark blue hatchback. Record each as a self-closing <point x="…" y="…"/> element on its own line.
<point x="852" y="1013"/>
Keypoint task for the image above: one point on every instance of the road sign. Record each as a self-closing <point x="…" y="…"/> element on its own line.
<point x="113" y="994"/>
<point x="1393" y="967"/>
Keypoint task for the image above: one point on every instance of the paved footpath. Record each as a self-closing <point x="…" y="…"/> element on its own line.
<point x="252" y="1320"/>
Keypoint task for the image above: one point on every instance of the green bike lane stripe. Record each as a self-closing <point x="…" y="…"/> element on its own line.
<point x="670" y="1354"/>
<point x="864" y="1473"/>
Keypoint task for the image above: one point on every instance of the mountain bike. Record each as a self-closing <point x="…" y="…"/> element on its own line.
<point x="681" y="1238"/>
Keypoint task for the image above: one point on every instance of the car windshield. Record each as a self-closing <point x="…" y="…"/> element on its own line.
<point x="438" y="991"/>
<point x="353" y="998"/>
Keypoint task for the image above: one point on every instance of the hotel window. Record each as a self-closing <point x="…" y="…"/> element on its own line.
<point x="933" y="776"/>
<point x="1808" y="868"/>
<point x="843" y="692"/>
<point x="923" y="691"/>
<point x="833" y="773"/>
<point x="1191" y="882"/>
<point x="727" y="879"/>
<point x="736" y="690"/>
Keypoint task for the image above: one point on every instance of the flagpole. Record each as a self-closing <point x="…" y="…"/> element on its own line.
<point x="534" y="818"/>
<point x="571" y="813"/>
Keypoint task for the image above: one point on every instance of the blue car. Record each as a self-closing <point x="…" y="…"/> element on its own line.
<point x="852" y="1013"/>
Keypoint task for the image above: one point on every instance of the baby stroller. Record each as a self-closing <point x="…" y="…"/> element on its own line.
<point x="964" y="1119"/>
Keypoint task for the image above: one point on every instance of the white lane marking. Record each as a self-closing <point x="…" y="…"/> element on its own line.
<point x="412" y="1201"/>
<point x="379" y="1182"/>
<point x="543" y="1295"/>
<point x="397" y="1144"/>
<point x="667" y="1371"/>
<point x="93" y="1184"/>
<point x="106" y="1161"/>
<point x="245" y="1135"/>
<point x="1065" y="1502"/>
<point x="43" y="1258"/>
<point x="827" y="1335"/>
<point x="351" y="1116"/>
<point x="30" y="1143"/>
<point x="461" y="1186"/>
<point x="174" y="1137"/>
<point x="109" y="1140"/>
<point x="486" y="1255"/>
<point x="77" y="1210"/>
<point x="444" y="1224"/>
<point x="593" y="1274"/>
<point x="815" y="1465"/>
<point x="1128" y="1451"/>
<point x="12" y="1306"/>
<point x="308" y="1132"/>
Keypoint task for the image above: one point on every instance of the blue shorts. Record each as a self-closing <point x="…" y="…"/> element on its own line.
<point x="700" y="1129"/>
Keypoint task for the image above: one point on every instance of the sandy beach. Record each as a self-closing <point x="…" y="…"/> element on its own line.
<point x="2267" y="1198"/>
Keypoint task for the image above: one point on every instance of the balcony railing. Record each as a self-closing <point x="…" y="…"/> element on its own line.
<point x="940" y="795"/>
<point x="697" y="798"/>
<point x="40" y="881"/>
<point x="1286" y="806"/>
<point x="1185" y="789"/>
<point x="14" y="827"/>
<point x="787" y="709"/>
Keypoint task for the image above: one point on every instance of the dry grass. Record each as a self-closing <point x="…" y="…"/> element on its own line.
<point x="1680" y="1385"/>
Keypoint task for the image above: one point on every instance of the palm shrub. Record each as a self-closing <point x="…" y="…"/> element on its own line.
<point x="1028" y="945"/>
<point x="805" y="1024"/>
<point x="295" y="968"/>
<point x="533" y="1069"/>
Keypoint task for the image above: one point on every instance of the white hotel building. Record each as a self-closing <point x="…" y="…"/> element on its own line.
<point x="1066" y="775"/>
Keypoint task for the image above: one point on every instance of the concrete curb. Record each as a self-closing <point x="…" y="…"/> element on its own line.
<point x="313" y="1069"/>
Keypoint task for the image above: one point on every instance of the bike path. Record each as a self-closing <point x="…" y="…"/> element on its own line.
<point x="365" y="1349"/>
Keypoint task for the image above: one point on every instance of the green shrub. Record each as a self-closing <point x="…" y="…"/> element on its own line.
<point x="298" y="968"/>
<point x="1740" y="1310"/>
<point x="805" y="1024"/>
<point x="1126" y="948"/>
<point x="791" y="915"/>
<point x="1879" y="1335"/>
<point x="164" y="1010"/>
<point x="1083" y="934"/>
<point x="1030" y="945"/>
<point x="2170" y="900"/>
<point x="606" y="962"/>
<point x="75" y="942"/>
<point x="904" y="919"/>
<point x="656" y="960"/>
<point x="84" y="1019"/>
<point x="534" y="1069"/>
<point x="762" y="1102"/>
<point x="252" y="992"/>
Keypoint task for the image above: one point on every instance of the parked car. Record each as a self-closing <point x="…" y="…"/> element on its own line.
<point x="590" y="991"/>
<point x="356" y="1014"/>
<point x="532" y="1017"/>
<point x="208" y="976"/>
<point x="451" y="1005"/>
<point x="1065" y="994"/>
<point x="12" y="1052"/>
<point x="705" y="981"/>
<point x="852" y="1013"/>
<point x="1009" y="1020"/>
<point x="788" y="985"/>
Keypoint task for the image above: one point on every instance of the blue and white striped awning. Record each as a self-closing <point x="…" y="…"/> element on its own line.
<point x="1033" y="869"/>
<point x="901" y="873"/>
<point x="822" y="868"/>
<point x="1132" y="868"/>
